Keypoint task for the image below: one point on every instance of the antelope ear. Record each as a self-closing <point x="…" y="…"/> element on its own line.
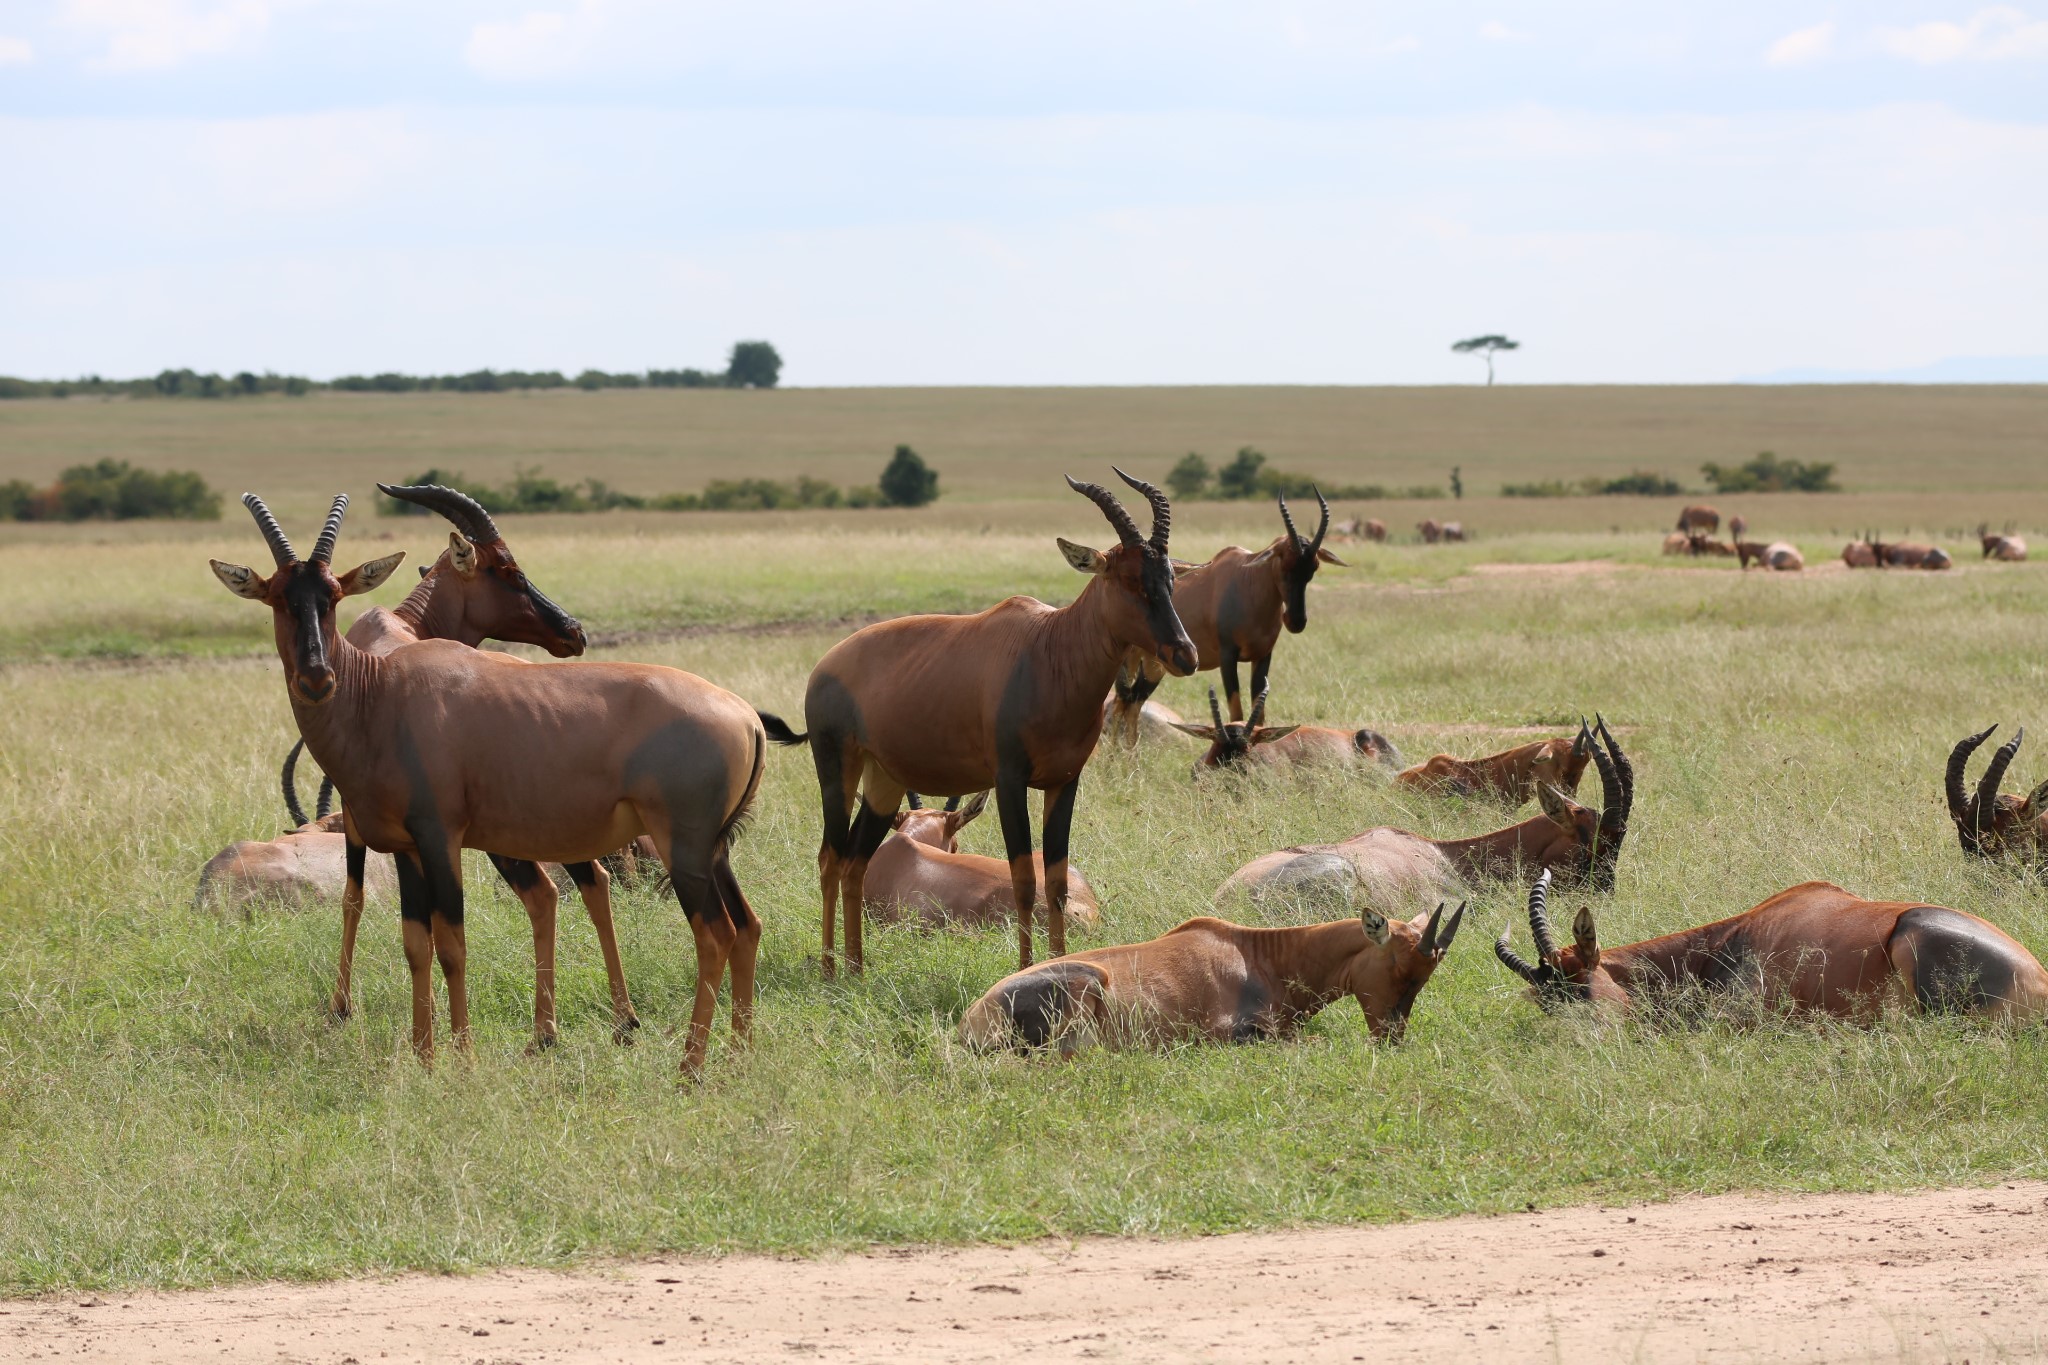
<point x="1181" y="568"/>
<point x="369" y="577"/>
<point x="1326" y="557"/>
<point x="1376" y="927"/>
<point x="1586" y="937"/>
<point x="461" y="554"/>
<point x="1081" y="558"/>
<point x="1555" y="803"/>
<point x="976" y="804"/>
<point x="1198" y="731"/>
<point x="240" y="580"/>
<point x="1267" y="734"/>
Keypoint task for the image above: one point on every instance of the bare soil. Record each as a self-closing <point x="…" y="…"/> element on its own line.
<point x="1949" y="1275"/>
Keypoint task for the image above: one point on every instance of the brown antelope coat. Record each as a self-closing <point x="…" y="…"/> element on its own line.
<point x="1253" y="743"/>
<point x="919" y="873"/>
<point x="1699" y="519"/>
<point x="1209" y="980"/>
<point x="2009" y="547"/>
<point x="1510" y="777"/>
<point x="1431" y="530"/>
<point x="1811" y="949"/>
<point x="1778" y="555"/>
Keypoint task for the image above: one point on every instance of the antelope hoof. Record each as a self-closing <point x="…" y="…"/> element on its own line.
<point x="829" y="969"/>
<point x="622" y="1030"/>
<point x="338" y="1010"/>
<point x="545" y="1042"/>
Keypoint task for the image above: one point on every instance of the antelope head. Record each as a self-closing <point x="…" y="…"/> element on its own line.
<point x="1296" y="557"/>
<point x="302" y="594"/>
<point x="1229" y="742"/>
<point x="1138" y="574"/>
<point x="1560" y="976"/>
<point x="1386" y="982"/>
<point x="1587" y="842"/>
<point x="1562" y="763"/>
<point x="939" y="829"/>
<point x="1988" y="822"/>
<point x="498" y="601"/>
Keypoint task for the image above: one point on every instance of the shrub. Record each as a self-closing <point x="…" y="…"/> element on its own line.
<point x="1769" y="474"/>
<point x="1189" y="478"/>
<point x="112" y="490"/>
<point x="753" y="365"/>
<point x="908" y="481"/>
<point x="1240" y="478"/>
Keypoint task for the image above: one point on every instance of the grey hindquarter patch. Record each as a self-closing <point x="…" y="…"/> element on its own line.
<point x="1043" y="1003"/>
<point x="1957" y="965"/>
<point x="1308" y="877"/>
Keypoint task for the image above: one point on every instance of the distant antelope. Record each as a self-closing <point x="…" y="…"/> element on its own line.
<point x="1700" y="543"/>
<point x="1235" y="605"/>
<point x="1990" y="823"/>
<point x="306" y="863"/>
<point x="1126" y="714"/>
<point x="1907" y="554"/>
<point x="1778" y="555"/>
<point x="1349" y="529"/>
<point x="1737" y="527"/>
<point x="1209" y="980"/>
<point x="2005" y="546"/>
<point x="1699" y="519"/>
<point x="1511" y="776"/>
<point x="1431" y="530"/>
<point x="1454" y="531"/>
<point x="1677" y="543"/>
<point x="920" y="873"/>
<point x="436" y="747"/>
<point x="1009" y="698"/>
<point x="1811" y="949"/>
<point x="1860" y="553"/>
<point x="1374" y="529"/>
<point x="1235" y="744"/>
<point x="1393" y="866"/>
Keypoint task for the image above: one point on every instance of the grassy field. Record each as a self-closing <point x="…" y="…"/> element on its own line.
<point x="174" y="1109"/>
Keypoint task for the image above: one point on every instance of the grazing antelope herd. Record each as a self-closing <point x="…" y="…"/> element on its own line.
<point x="434" y="745"/>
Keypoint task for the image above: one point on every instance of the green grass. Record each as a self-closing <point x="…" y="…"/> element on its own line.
<point x="174" y="1109"/>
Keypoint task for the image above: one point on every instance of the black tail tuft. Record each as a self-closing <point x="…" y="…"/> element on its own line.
<point x="778" y="729"/>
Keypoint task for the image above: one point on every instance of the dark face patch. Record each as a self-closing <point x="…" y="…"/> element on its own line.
<point x="1169" y="636"/>
<point x="309" y="595"/>
<point x="1298" y="568"/>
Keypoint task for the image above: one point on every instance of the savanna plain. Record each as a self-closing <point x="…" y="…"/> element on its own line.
<point x="176" y="1109"/>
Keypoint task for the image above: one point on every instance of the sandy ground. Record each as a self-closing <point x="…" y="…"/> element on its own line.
<point x="1950" y="1276"/>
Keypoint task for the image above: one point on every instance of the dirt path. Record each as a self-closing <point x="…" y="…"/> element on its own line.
<point x="1953" y="1275"/>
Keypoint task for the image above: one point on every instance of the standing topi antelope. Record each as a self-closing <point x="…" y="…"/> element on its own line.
<point x="1235" y="605"/>
<point x="1511" y="776"/>
<point x="1253" y="743"/>
<point x="1737" y="527"/>
<point x="919" y="873"/>
<point x="2006" y="545"/>
<point x="1990" y="823"/>
<point x="1394" y="867"/>
<point x="1209" y="980"/>
<point x="1009" y="698"/>
<point x="1699" y="519"/>
<point x="1811" y="949"/>
<point x="436" y="747"/>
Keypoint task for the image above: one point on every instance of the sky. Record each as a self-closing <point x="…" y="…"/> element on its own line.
<point x="1041" y="192"/>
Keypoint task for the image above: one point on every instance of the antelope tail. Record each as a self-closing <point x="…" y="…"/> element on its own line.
<point x="778" y="729"/>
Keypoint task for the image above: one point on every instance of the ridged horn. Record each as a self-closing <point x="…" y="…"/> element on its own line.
<point x="289" y="780"/>
<point x="1323" y="528"/>
<point x="323" y="805"/>
<point x="1511" y="959"/>
<point x="1539" y="918"/>
<point x="323" y="548"/>
<point x="916" y="801"/>
<point x="1994" y="773"/>
<point x="1258" y="717"/>
<point x="1126" y="529"/>
<point x="2037" y="801"/>
<point x="952" y="803"/>
<point x="1215" y="711"/>
<point x="1952" y="779"/>
<point x="1286" y="520"/>
<point x="467" y="514"/>
<point x="1162" y="509"/>
<point x="280" y="547"/>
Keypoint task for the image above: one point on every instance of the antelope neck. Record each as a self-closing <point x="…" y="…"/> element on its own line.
<point x="334" y="729"/>
<point x="1073" y="648"/>
<point x="436" y="615"/>
<point x="1309" y="963"/>
<point x="1670" y="957"/>
<point x="1501" y="845"/>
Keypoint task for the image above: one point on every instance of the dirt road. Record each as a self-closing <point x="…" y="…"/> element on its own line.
<point x="1950" y="1276"/>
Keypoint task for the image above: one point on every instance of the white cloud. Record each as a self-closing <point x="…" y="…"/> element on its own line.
<point x="15" y="51"/>
<point x="151" y="35"/>
<point x="1993" y="34"/>
<point x="537" y="44"/>
<point x="1802" y="45"/>
<point x="1494" y="31"/>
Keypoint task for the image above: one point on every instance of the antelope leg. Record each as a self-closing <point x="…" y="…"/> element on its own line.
<point x="594" y="884"/>
<point x="339" y="1004"/>
<point x="1015" y="815"/>
<point x="1059" y="821"/>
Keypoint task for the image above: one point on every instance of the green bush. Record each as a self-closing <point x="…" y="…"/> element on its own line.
<point x="112" y="490"/>
<point x="1639" y="483"/>
<point x="1190" y="478"/>
<point x="1769" y="474"/>
<point x="908" y="481"/>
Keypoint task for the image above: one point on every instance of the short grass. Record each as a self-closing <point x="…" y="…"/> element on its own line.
<point x="175" y="1110"/>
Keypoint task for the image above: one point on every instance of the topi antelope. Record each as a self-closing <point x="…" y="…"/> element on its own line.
<point x="1908" y="554"/>
<point x="1209" y="980"/>
<point x="1454" y="531"/>
<point x="1990" y="823"/>
<point x="1235" y="744"/>
<point x="1811" y="949"/>
<point x="436" y="747"/>
<point x="1778" y="555"/>
<point x="1511" y="776"/>
<point x="1392" y="866"/>
<point x="919" y="873"/>
<point x="304" y="864"/>
<point x="1700" y="543"/>
<point x="1235" y="605"/>
<point x="1009" y="698"/>
<point x="474" y="591"/>
<point x="2007" y="545"/>
<point x="1737" y="528"/>
<point x="1860" y="553"/>
<point x="1677" y="543"/>
<point x="1431" y="530"/>
<point x="1699" y="519"/>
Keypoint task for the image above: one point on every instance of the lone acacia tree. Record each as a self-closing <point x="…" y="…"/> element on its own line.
<point x="1486" y="346"/>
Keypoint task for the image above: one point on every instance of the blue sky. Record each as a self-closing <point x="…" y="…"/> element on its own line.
<point x="907" y="192"/>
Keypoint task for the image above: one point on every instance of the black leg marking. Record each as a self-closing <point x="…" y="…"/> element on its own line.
<point x="522" y="876"/>
<point x="583" y="874"/>
<point x="415" y="899"/>
<point x="1260" y="668"/>
<point x="1231" y="693"/>
<point x="354" y="852"/>
<point x="1059" y="823"/>
<point x="870" y="827"/>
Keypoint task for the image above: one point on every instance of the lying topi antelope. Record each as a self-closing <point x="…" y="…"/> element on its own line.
<point x="1778" y="555"/>
<point x="1907" y="554"/>
<point x="1677" y="543"/>
<point x="1511" y="776"/>
<point x="1431" y="530"/>
<point x="1394" y="867"/>
<point x="436" y="747"/>
<point x="1811" y="949"/>
<point x="1009" y="698"/>
<point x="1209" y="980"/>
<point x="2006" y="546"/>
<point x="1254" y="743"/>
<point x="1454" y="531"/>
<point x="304" y="864"/>
<point x="1991" y="823"/>
<point x="919" y="873"/>
<point x="1235" y="605"/>
<point x="1860" y="553"/>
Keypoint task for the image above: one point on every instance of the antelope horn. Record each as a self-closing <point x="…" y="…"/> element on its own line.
<point x="1324" y="528"/>
<point x="1286" y="520"/>
<point x="1126" y="529"/>
<point x="1162" y="509"/>
<point x="1958" y="760"/>
<point x="1215" y="711"/>
<point x="1436" y="917"/>
<point x="289" y="780"/>
<point x="1539" y="919"/>
<point x="1622" y="766"/>
<point x="1994" y="773"/>
<point x="323" y="548"/>
<point x="1581" y="739"/>
<point x="465" y="512"/>
<point x="325" y="803"/>
<point x="916" y="802"/>
<point x="280" y="548"/>
<point x="1259" y="709"/>
<point x="1511" y="959"/>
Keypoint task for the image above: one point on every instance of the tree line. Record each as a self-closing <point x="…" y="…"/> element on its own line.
<point x="1765" y="473"/>
<point x="1247" y="475"/>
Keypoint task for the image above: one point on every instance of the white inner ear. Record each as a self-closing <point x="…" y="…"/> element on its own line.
<point x="1376" y="927"/>
<point x="239" y="580"/>
<point x="368" y="577"/>
<point x="1198" y="731"/>
<point x="1273" y="732"/>
<point x="1083" y="559"/>
<point x="461" y="554"/>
